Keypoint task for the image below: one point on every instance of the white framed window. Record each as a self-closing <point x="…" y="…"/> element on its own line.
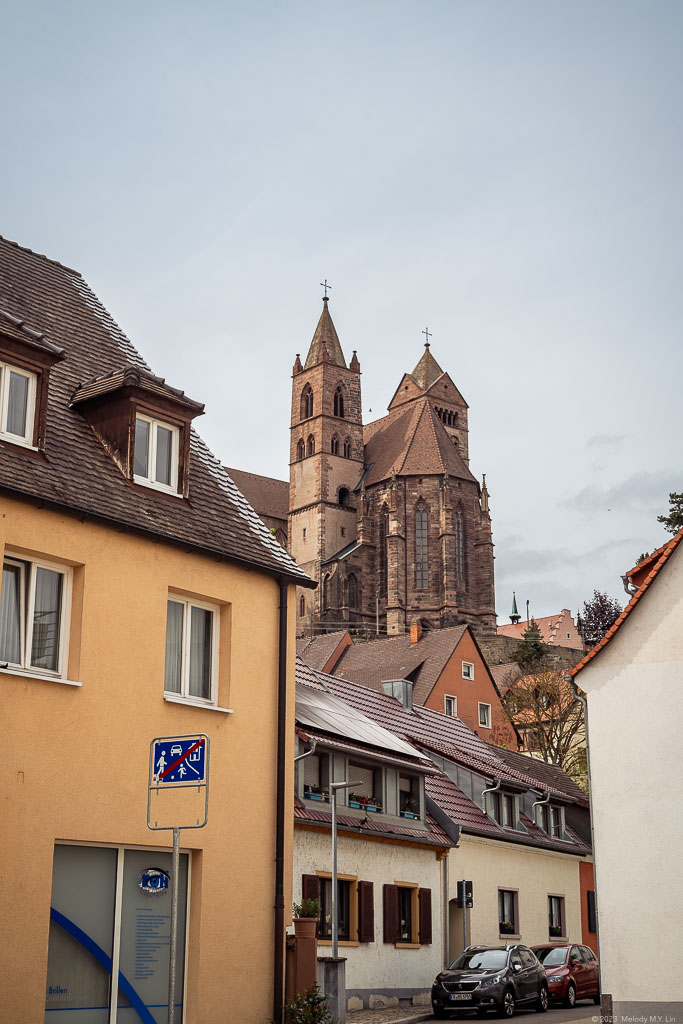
<point x="467" y="670"/>
<point x="485" y="716"/>
<point x="191" y="668"/>
<point x="34" y="612"/>
<point x="156" y="454"/>
<point x="450" y="706"/>
<point x="551" y="820"/>
<point x="17" y="404"/>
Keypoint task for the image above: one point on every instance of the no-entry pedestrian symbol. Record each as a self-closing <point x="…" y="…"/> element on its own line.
<point x="178" y="760"/>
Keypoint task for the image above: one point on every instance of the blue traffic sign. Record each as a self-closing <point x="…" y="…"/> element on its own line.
<point x="179" y="760"/>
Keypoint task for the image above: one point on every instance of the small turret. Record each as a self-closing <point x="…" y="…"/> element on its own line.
<point x="514" y="614"/>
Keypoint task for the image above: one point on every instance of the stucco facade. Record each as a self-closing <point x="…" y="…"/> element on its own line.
<point x="75" y="761"/>
<point x="379" y="973"/>
<point x="531" y="874"/>
<point x="636" y="809"/>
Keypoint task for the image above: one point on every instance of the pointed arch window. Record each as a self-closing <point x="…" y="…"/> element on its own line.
<point x="300" y="448"/>
<point x="334" y="445"/>
<point x="307" y="402"/>
<point x="339" y="402"/>
<point x="302" y="606"/>
<point x="421" y="573"/>
<point x="459" y="547"/>
<point x="310" y="445"/>
<point x="326" y="592"/>
<point x="352" y="591"/>
<point x="347" y="448"/>
<point x="383" y="559"/>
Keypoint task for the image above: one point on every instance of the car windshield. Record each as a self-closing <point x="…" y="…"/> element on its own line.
<point x="480" y="959"/>
<point x="552" y="956"/>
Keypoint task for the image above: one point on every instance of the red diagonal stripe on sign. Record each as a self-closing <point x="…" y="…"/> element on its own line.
<point x="181" y="759"/>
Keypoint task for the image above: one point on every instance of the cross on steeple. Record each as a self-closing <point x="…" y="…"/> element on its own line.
<point x="427" y="335"/>
<point x="325" y="286"/>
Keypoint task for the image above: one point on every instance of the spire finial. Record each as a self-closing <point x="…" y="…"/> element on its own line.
<point x="514" y="614"/>
<point x="427" y="336"/>
<point x="326" y="286"/>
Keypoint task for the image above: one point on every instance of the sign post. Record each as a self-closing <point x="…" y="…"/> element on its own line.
<point x="176" y="763"/>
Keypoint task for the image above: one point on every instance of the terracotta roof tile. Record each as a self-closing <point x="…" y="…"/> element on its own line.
<point x="265" y="494"/>
<point x="665" y="553"/>
<point x="77" y="472"/>
<point x="317" y="651"/>
<point x="434" y="835"/>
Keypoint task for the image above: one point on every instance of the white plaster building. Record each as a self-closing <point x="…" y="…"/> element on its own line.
<point x="633" y="681"/>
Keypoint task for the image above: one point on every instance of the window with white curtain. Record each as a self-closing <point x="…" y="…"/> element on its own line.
<point x="33" y="615"/>
<point x="17" y="404"/>
<point x="191" y="649"/>
<point x="156" y="454"/>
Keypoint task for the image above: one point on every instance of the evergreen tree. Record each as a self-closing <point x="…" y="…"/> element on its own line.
<point x="531" y="649"/>
<point x="674" y="521"/>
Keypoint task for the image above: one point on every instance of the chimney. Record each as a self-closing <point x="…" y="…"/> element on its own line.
<point x="401" y="689"/>
<point x="415" y="632"/>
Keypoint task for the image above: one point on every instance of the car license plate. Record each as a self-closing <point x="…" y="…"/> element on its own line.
<point x="460" y="996"/>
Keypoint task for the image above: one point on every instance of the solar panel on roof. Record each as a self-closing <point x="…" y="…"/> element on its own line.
<point x="321" y="710"/>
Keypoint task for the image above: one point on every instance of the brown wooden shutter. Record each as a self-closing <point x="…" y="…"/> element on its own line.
<point x="425" y="904"/>
<point x="310" y="887"/>
<point x="366" y="912"/>
<point x="391" y="913"/>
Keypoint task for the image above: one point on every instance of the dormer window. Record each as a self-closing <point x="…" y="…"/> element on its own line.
<point x="17" y="404"/>
<point x="156" y="454"/>
<point x="551" y="820"/>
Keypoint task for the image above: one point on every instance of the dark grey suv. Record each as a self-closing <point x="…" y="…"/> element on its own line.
<point x="487" y="978"/>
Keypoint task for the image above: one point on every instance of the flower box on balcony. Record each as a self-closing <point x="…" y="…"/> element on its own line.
<point x="408" y="814"/>
<point x="354" y="803"/>
<point x="506" y="928"/>
<point x="555" y="931"/>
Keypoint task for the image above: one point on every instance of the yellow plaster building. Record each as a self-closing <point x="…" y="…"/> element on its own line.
<point x="141" y="597"/>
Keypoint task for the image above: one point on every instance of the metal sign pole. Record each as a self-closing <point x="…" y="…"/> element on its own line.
<point x="464" y="916"/>
<point x="174" y="926"/>
<point x="335" y="926"/>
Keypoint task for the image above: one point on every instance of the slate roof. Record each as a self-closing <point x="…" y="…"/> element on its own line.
<point x="317" y="651"/>
<point x="411" y="441"/>
<point x="265" y="494"/>
<point x="393" y="658"/>
<point x="325" y="345"/>
<point x="664" y="553"/>
<point x="76" y="472"/>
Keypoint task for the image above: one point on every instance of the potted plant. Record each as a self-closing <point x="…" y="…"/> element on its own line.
<point x="506" y="928"/>
<point x="410" y="809"/>
<point x="355" y="800"/>
<point x="555" y="931"/>
<point x="315" y="793"/>
<point x="371" y="804"/>
<point x="308" y="1008"/>
<point x="305" y="916"/>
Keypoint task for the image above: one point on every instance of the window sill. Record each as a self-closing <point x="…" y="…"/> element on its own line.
<point x="408" y="945"/>
<point x="41" y="677"/>
<point x="20" y="442"/>
<point x="509" y="935"/>
<point x="154" y="486"/>
<point x="558" y="938"/>
<point x="342" y="942"/>
<point x="171" y="698"/>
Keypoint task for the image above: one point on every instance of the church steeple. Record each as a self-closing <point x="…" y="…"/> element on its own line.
<point x="514" y="614"/>
<point x="325" y="347"/>
<point x="427" y="370"/>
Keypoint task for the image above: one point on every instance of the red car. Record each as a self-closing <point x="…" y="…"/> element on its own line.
<point x="572" y="972"/>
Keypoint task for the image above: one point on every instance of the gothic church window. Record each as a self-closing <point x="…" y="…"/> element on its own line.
<point x="339" y="402"/>
<point x="307" y="402"/>
<point x="459" y="547"/>
<point x="347" y="448"/>
<point x="352" y="591"/>
<point x="334" y="445"/>
<point x="421" y="575"/>
<point x="302" y="606"/>
<point x="300" y="448"/>
<point x="383" y="560"/>
<point x="310" y="445"/>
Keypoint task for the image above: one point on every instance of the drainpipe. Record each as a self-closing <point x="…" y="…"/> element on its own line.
<point x="279" y="905"/>
<point x="491" y="789"/>
<point x="538" y="803"/>
<point x="584" y="705"/>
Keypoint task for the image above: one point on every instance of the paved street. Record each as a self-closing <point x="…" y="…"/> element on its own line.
<point x="583" y="1013"/>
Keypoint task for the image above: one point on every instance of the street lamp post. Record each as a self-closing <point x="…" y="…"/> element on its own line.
<point x="334" y="786"/>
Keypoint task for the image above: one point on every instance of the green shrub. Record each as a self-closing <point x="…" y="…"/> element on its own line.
<point x="307" y="908"/>
<point x="309" y="1008"/>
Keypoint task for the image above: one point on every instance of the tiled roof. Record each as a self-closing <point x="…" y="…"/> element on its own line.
<point x="325" y="345"/>
<point x="374" y="824"/>
<point x="411" y="441"/>
<point x="394" y="658"/>
<point x="306" y="675"/>
<point x="664" y="553"/>
<point x="132" y="376"/>
<point x="547" y="775"/>
<point x="265" y="494"/>
<point x="317" y="651"/>
<point x="427" y="371"/>
<point x="15" y="327"/>
<point x="352" y="746"/>
<point x="548" y="625"/>
<point x="77" y="473"/>
<point x="504" y="674"/>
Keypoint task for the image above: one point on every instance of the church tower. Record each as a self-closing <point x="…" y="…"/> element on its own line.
<point x="326" y="464"/>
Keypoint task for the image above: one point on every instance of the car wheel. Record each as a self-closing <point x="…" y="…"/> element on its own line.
<point x="542" y="1001"/>
<point x="507" y="1007"/>
<point x="570" y="998"/>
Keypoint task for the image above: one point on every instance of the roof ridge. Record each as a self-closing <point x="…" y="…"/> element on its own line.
<point x="432" y="419"/>
<point x="39" y="255"/>
<point x="418" y="414"/>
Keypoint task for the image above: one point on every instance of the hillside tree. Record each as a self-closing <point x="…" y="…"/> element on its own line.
<point x="674" y="521"/>
<point x="598" y="615"/>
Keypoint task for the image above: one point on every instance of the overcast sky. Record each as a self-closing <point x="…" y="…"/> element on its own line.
<point x="505" y="172"/>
